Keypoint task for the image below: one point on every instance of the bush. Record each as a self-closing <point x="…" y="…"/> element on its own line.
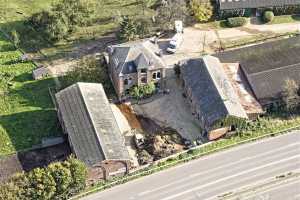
<point x="268" y="16"/>
<point x="236" y="21"/>
<point x="143" y="90"/>
<point x="57" y="181"/>
<point x="203" y="11"/>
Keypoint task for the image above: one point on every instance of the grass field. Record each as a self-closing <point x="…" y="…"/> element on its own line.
<point x="13" y="14"/>
<point x="26" y="110"/>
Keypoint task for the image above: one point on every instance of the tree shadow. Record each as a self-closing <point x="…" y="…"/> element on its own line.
<point x="32" y="93"/>
<point x="26" y="129"/>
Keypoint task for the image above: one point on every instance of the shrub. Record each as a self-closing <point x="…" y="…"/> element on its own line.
<point x="62" y="177"/>
<point x="57" y="181"/>
<point x="268" y="16"/>
<point x="143" y="90"/>
<point x="203" y="11"/>
<point x="41" y="184"/>
<point x="79" y="174"/>
<point x="236" y="21"/>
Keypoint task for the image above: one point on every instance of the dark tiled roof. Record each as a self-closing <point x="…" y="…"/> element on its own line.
<point x="268" y="65"/>
<point x="239" y="4"/>
<point x="211" y="90"/>
<point x="135" y="55"/>
<point x="90" y="123"/>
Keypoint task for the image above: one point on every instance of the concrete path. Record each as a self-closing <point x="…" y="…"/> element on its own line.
<point x="218" y="174"/>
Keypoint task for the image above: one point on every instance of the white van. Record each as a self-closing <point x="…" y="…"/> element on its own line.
<point x="175" y="43"/>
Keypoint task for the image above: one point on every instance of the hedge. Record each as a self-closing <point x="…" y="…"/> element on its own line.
<point x="236" y="21"/>
<point x="268" y="16"/>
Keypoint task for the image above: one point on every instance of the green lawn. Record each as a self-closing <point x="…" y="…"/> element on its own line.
<point x="285" y="19"/>
<point x="26" y="109"/>
<point x="13" y="13"/>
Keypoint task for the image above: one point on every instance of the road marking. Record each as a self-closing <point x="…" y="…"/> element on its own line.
<point x="229" y="177"/>
<point x="222" y="167"/>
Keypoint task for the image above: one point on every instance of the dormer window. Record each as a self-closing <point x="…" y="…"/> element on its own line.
<point x="143" y="71"/>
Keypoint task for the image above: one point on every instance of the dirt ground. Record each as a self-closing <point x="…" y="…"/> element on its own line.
<point x="28" y="160"/>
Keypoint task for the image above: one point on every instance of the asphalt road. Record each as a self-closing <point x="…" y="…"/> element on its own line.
<point x="219" y="173"/>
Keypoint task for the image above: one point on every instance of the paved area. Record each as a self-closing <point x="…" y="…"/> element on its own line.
<point x="218" y="174"/>
<point x="127" y="133"/>
<point x="172" y="110"/>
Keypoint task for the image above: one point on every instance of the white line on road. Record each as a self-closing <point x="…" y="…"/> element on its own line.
<point x="230" y="177"/>
<point x="218" y="168"/>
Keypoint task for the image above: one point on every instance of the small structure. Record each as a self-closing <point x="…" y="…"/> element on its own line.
<point x="40" y="73"/>
<point x="135" y="63"/>
<point x="252" y="7"/>
<point x="210" y="94"/>
<point x="86" y="117"/>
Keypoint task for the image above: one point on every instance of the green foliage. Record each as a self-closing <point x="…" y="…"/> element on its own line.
<point x="203" y="11"/>
<point x="268" y="16"/>
<point x="89" y="69"/>
<point x="79" y="174"/>
<point x="63" y="18"/>
<point x="228" y="121"/>
<point x="41" y="184"/>
<point x="62" y="177"/>
<point x="236" y="21"/>
<point x="143" y="90"/>
<point x="26" y="110"/>
<point x="133" y="28"/>
<point x="57" y="181"/>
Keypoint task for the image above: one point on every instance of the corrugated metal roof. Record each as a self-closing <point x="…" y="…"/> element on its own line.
<point x="90" y="123"/>
<point x="239" y="4"/>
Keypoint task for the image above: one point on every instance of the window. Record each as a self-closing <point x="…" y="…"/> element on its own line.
<point x="144" y="80"/>
<point x="158" y="75"/>
<point x="143" y="71"/>
<point x="154" y="75"/>
<point x="126" y="82"/>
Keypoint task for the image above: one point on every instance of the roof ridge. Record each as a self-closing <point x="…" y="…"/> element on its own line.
<point x="275" y="69"/>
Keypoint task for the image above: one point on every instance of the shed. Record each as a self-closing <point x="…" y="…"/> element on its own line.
<point x="87" y="118"/>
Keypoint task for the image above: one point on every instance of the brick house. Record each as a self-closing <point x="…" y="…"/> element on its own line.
<point x="134" y="63"/>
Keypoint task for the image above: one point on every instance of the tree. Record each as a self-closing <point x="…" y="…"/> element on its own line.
<point x="89" y="69"/>
<point x="41" y="184"/>
<point x="79" y="174"/>
<point x="62" y="177"/>
<point x="169" y="11"/>
<point x="290" y="96"/>
<point x="203" y="11"/>
<point x="128" y="29"/>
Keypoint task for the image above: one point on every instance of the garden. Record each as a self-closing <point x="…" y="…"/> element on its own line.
<point x="26" y="111"/>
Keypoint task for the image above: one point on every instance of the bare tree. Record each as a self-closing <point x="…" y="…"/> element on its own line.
<point x="169" y="11"/>
<point x="290" y="96"/>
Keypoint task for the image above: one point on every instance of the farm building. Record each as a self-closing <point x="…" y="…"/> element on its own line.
<point x="267" y="66"/>
<point x="210" y="93"/>
<point x="86" y="117"/>
<point x="228" y="8"/>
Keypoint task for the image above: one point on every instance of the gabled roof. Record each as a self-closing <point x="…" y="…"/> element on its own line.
<point x="239" y="4"/>
<point x="90" y="123"/>
<point x="135" y="55"/>
<point x="211" y="89"/>
<point x="267" y="66"/>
